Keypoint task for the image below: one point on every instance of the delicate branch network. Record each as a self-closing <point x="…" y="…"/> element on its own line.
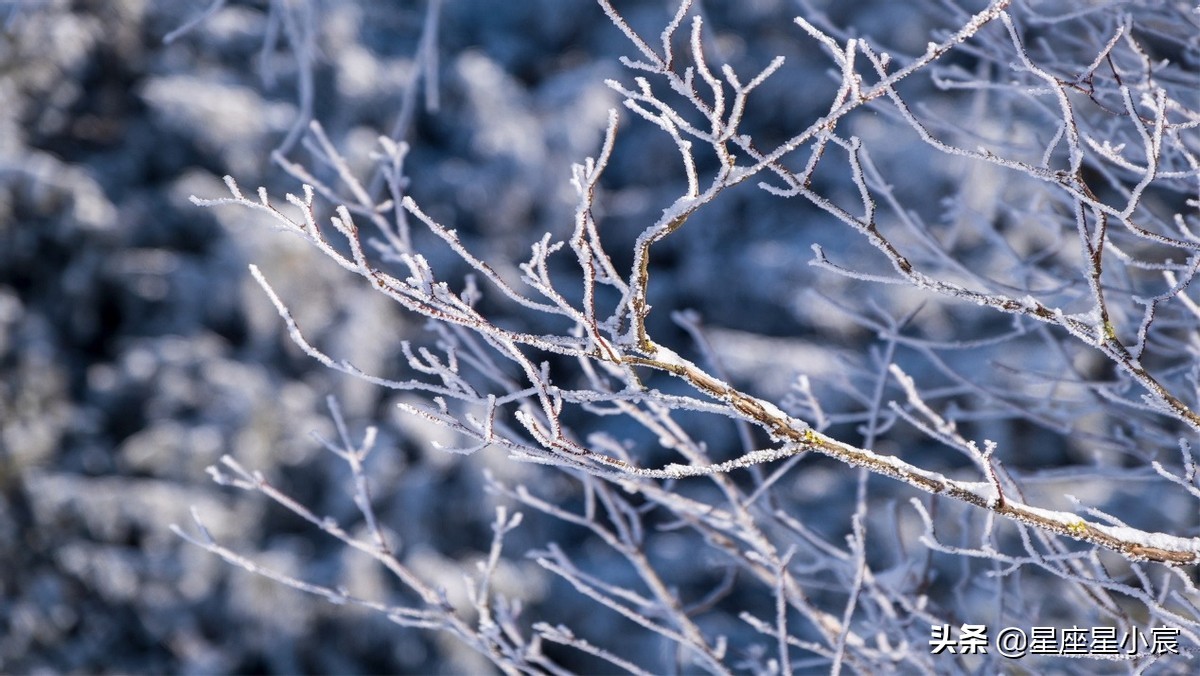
<point x="468" y="379"/>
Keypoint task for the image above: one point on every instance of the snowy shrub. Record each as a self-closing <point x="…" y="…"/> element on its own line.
<point x="844" y="354"/>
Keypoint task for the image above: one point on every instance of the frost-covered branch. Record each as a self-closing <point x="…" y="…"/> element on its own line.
<point x="593" y="388"/>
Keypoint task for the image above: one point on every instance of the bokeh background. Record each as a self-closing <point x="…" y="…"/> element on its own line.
<point x="135" y="350"/>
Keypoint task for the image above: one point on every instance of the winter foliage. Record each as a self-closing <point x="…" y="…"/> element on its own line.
<point x="702" y="337"/>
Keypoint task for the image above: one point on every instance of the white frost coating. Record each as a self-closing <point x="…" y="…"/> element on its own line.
<point x="981" y="489"/>
<point x="758" y="457"/>
<point x="668" y="356"/>
<point x="899" y="466"/>
<point x="1153" y="540"/>
<point x="1067" y="519"/>
<point x="1121" y="533"/>
<point x="774" y="411"/>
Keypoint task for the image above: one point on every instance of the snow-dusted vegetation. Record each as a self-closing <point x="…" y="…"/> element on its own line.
<point x="764" y="337"/>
